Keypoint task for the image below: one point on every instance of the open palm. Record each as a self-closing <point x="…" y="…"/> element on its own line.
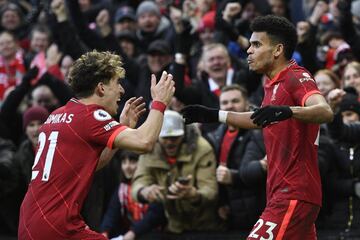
<point x="134" y="108"/>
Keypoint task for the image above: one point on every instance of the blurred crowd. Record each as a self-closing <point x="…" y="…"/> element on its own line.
<point x="220" y="170"/>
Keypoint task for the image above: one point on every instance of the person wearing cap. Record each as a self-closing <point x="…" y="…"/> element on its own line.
<point x="124" y="20"/>
<point x="180" y="174"/>
<point x="33" y="119"/>
<point x="345" y="130"/>
<point x="158" y="59"/>
<point x="152" y="25"/>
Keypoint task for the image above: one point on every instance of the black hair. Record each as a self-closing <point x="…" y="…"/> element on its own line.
<point x="279" y="30"/>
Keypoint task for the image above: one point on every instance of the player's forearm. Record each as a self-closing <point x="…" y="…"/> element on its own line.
<point x="241" y="120"/>
<point x="319" y="113"/>
<point x="149" y="131"/>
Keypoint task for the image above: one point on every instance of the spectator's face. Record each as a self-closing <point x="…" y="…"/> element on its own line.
<point x="249" y="12"/>
<point x="128" y="167"/>
<point x="157" y="62"/>
<point x="260" y="58"/>
<point x="216" y="62"/>
<point x="171" y="145"/>
<point x="8" y="46"/>
<point x="278" y="7"/>
<point x="32" y="131"/>
<point x="233" y="101"/>
<point x="84" y="5"/>
<point x="352" y="78"/>
<point x="39" y="41"/>
<point x="324" y="83"/>
<point x="350" y="117"/>
<point x="113" y="91"/>
<point x="148" y="22"/>
<point x="10" y="20"/>
<point x="123" y="25"/>
<point x="44" y="97"/>
<point x="65" y="66"/>
<point x="206" y="36"/>
<point x="128" y="47"/>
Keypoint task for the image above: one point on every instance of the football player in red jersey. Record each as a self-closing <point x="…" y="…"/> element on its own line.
<point x="291" y="112"/>
<point x="81" y="137"/>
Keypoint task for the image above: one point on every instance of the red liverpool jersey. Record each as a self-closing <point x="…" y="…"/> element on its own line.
<point x="69" y="146"/>
<point x="291" y="145"/>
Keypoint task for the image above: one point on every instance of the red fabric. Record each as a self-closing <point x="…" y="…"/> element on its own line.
<point x="156" y="105"/>
<point x="291" y="145"/>
<point x="227" y="141"/>
<point x="137" y="210"/>
<point x="286" y="219"/>
<point x="217" y="92"/>
<point x="330" y="60"/>
<point x="72" y="140"/>
<point x="56" y="72"/>
<point x="171" y="160"/>
<point x="11" y="73"/>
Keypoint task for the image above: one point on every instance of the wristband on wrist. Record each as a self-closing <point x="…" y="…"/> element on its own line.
<point x="159" y="106"/>
<point x="223" y="116"/>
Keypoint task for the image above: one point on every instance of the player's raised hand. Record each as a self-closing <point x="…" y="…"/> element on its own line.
<point x="133" y="109"/>
<point x="200" y="113"/>
<point x="164" y="90"/>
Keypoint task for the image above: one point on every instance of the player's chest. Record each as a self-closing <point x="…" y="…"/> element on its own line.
<point x="277" y="94"/>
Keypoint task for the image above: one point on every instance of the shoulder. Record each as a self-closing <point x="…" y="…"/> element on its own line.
<point x="300" y="75"/>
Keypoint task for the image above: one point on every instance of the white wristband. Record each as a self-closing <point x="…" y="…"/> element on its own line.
<point x="223" y="116"/>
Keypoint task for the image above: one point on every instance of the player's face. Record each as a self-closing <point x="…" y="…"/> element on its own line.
<point x="233" y="101"/>
<point x="260" y="58"/>
<point x="171" y="145"/>
<point x="112" y="95"/>
<point x="128" y="167"/>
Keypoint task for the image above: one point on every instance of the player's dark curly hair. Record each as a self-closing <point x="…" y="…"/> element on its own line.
<point x="91" y="68"/>
<point x="279" y="29"/>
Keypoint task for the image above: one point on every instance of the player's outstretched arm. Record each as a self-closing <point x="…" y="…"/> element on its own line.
<point x="202" y="114"/>
<point x="316" y="110"/>
<point x="143" y="139"/>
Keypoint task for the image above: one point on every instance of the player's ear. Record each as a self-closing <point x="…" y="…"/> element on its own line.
<point x="100" y="89"/>
<point x="278" y="50"/>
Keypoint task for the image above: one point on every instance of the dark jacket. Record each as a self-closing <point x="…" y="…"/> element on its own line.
<point x="345" y="214"/>
<point x="246" y="196"/>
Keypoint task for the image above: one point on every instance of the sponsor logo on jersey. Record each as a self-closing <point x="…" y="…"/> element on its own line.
<point x="306" y="77"/>
<point x="110" y="125"/>
<point x="101" y="115"/>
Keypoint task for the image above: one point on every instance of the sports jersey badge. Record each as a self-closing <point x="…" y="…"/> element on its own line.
<point x="273" y="97"/>
<point x="101" y="115"/>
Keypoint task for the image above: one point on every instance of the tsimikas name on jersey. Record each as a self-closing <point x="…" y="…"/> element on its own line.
<point x="59" y="118"/>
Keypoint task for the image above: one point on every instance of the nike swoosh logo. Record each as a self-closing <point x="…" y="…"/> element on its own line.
<point x="278" y="114"/>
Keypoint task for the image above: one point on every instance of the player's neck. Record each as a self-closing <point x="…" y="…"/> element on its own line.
<point x="89" y="100"/>
<point x="278" y="66"/>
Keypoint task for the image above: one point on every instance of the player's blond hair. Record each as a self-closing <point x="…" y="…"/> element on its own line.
<point x="94" y="67"/>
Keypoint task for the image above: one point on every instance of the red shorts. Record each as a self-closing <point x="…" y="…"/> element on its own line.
<point x="286" y="219"/>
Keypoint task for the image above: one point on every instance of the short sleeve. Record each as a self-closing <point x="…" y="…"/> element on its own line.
<point x="302" y="86"/>
<point x="102" y="128"/>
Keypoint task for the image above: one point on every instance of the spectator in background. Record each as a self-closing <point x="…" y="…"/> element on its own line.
<point x="345" y="215"/>
<point x="326" y="81"/>
<point x="158" y="59"/>
<point x="179" y="174"/>
<point x="33" y="119"/>
<point x="12" y="66"/>
<point x="43" y="96"/>
<point x="152" y="26"/>
<point x="351" y="76"/>
<point x="125" y="216"/>
<point x="39" y="42"/>
<point x="124" y="20"/>
<point x="241" y="171"/>
<point x="66" y="62"/>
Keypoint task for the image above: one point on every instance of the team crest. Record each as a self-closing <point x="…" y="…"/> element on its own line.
<point x="273" y="96"/>
<point x="101" y="115"/>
